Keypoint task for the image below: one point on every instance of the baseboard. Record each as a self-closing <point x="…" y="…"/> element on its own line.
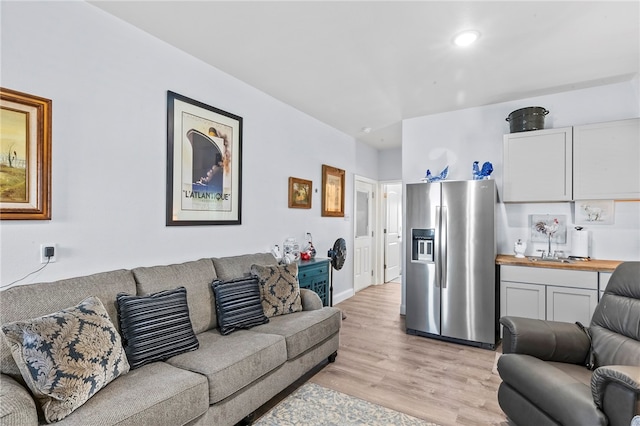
<point x="343" y="295"/>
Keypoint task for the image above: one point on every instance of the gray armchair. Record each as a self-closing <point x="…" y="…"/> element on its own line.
<point x="544" y="378"/>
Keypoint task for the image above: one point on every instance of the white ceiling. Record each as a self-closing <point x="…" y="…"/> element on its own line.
<point x="356" y="64"/>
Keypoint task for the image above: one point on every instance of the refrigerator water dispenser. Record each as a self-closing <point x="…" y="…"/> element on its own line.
<point x="422" y="245"/>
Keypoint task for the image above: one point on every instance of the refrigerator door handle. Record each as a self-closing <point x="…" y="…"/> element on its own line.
<point x="443" y="246"/>
<point x="436" y="281"/>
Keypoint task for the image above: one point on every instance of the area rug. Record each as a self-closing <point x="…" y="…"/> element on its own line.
<point x="314" y="405"/>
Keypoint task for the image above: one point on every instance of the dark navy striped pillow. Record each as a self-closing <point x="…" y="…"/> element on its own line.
<point x="238" y="304"/>
<point x="155" y="327"/>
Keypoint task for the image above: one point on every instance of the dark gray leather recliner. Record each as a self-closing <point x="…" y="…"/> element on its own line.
<point x="544" y="378"/>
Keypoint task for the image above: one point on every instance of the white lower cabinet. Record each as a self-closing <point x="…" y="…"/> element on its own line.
<point x="545" y="293"/>
<point x="522" y="300"/>
<point x="571" y="304"/>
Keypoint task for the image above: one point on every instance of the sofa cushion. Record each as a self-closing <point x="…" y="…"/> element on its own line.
<point x="155" y="394"/>
<point x="68" y="356"/>
<point x="228" y="268"/>
<point x="35" y="300"/>
<point x="155" y="327"/>
<point x="232" y="362"/>
<point x="279" y="288"/>
<point x="196" y="276"/>
<point x="238" y="304"/>
<point x="17" y="406"/>
<point x="303" y="330"/>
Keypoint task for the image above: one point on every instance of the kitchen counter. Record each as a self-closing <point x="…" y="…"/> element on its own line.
<point x="578" y="265"/>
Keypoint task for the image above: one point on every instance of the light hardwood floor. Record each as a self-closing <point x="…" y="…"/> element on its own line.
<point x="441" y="382"/>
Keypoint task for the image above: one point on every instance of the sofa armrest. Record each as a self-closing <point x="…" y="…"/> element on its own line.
<point x="546" y="340"/>
<point x="17" y="407"/>
<point x="616" y="391"/>
<point x="310" y="300"/>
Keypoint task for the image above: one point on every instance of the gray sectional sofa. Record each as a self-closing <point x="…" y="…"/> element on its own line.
<point x="220" y="383"/>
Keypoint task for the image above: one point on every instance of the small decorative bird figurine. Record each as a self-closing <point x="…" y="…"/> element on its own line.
<point x="435" y="178"/>
<point x="484" y="173"/>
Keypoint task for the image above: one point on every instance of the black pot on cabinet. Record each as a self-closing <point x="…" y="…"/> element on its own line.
<point x="526" y="119"/>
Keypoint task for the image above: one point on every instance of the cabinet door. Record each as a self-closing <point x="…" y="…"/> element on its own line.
<point x="314" y="275"/>
<point x="571" y="304"/>
<point x="538" y="166"/>
<point x="522" y="300"/>
<point x="606" y="160"/>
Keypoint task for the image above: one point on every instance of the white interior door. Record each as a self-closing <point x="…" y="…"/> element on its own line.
<point x="363" y="247"/>
<point x="393" y="232"/>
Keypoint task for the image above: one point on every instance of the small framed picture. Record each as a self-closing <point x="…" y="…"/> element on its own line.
<point x="594" y="212"/>
<point x="300" y="193"/>
<point x="332" y="191"/>
<point x="545" y="227"/>
<point x="25" y="156"/>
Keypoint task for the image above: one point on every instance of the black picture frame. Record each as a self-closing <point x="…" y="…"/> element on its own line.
<point x="204" y="164"/>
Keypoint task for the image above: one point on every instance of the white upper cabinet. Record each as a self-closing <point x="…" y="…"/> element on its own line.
<point x="606" y="161"/>
<point x="538" y="166"/>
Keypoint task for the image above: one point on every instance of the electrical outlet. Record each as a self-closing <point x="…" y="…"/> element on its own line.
<point x="48" y="249"/>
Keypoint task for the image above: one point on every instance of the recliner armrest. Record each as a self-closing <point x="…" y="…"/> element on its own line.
<point x="616" y="391"/>
<point x="546" y="340"/>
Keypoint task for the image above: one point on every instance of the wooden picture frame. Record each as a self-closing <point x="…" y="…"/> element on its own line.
<point x="332" y="191"/>
<point x="300" y="193"/>
<point x="204" y="164"/>
<point x="25" y="156"/>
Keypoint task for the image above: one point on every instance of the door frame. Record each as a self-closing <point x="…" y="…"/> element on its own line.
<point x="378" y="225"/>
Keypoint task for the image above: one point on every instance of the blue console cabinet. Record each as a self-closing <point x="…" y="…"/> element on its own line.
<point x="314" y="275"/>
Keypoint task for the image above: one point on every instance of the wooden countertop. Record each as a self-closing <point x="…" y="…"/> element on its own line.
<point x="581" y="265"/>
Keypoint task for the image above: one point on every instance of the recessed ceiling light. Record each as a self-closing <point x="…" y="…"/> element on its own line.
<point x="466" y="38"/>
<point x="366" y="129"/>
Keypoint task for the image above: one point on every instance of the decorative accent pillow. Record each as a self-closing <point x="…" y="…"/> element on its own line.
<point x="279" y="288"/>
<point x="238" y="304"/>
<point x="155" y="327"/>
<point x="68" y="356"/>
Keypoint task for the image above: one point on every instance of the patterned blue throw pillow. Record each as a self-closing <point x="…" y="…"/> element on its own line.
<point x="238" y="304"/>
<point x="155" y="327"/>
<point x="279" y="288"/>
<point x="68" y="356"/>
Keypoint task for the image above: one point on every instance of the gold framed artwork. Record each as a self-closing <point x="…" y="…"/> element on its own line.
<point x="332" y="191"/>
<point x="204" y="164"/>
<point x="25" y="156"/>
<point x="300" y="193"/>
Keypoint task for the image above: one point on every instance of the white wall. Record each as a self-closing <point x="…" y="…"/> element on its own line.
<point x="108" y="82"/>
<point x="390" y="164"/>
<point x="458" y="138"/>
<point x="367" y="161"/>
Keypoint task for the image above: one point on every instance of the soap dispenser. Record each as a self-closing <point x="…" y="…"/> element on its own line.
<point x="519" y="248"/>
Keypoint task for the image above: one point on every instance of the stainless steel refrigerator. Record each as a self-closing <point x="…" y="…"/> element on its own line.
<point x="450" y="261"/>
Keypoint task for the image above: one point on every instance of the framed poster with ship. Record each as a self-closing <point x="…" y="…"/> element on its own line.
<point x="25" y="156"/>
<point x="204" y="164"/>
